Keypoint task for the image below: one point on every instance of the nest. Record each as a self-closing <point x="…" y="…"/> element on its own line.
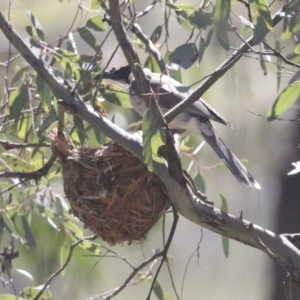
<point x="110" y="190"/>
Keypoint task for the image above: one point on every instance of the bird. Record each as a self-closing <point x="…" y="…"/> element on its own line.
<point x="196" y="119"/>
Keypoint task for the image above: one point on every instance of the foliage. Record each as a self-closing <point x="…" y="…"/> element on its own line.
<point x="29" y="109"/>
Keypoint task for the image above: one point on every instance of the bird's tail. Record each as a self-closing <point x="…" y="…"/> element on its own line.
<point x="231" y="161"/>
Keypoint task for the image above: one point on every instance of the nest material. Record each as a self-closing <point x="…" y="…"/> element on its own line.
<point x="110" y="190"/>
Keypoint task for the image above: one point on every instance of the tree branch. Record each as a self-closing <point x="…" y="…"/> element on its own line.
<point x="35" y="175"/>
<point x="286" y="254"/>
<point x="223" y="68"/>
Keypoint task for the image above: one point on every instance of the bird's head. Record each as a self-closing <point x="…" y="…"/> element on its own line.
<point x="121" y="74"/>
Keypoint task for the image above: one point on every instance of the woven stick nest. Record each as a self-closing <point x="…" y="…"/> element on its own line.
<point x="110" y="190"/>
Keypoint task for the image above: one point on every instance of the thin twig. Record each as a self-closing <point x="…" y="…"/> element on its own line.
<point x="220" y="71"/>
<point x="167" y="261"/>
<point x="10" y="145"/>
<point x="68" y="259"/>
<point x="189" y="261"/>
<point x="165" y="250"/>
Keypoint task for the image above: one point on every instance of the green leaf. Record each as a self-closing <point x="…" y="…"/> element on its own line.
<point x="95" y="5"/>
<point x="295" y="77"/>
<point x="89" y="38"/>
<point x="225" y="240"/>
<point x="17" y="101"/>
<point x="31" y="292"/>
<point x="184" y="23"/>
<point x="116" y="95"/>
<point x="297" y="49"/>
<point x="23" y="124"/>
<point x="152" y="64"/>
<point x="20" y="75"/>
<point x="160" y="292"/>
<point x="9" y="225"/>
<point x="220" y="21"/>
<point x="70" y="56"/>
<point x="32" y="32"/>
<point x="264" y="21"/>
<point x="155" y="36"/>
<point x="96" y="23"/>
<point x="153" y="138"/>
<point x="45" y="93"/>
<point x="201" y="49"/>
<point x="221" y="12"/>
<point x="208" y="37"/>
<point x="262" y="63"/>
<point x="16" y="163"/>
<point x="74" y="228"/>
<point x="52" y="117"/>
<point x="278" y="64"/>
<point x="285" y="99"/>
<point x="184" y="7"/>
<point x="200" y="19"/>
<point x="63" y="254"/>
<point x="24" y="230"/>
<point x="199" y="182"/>
<point x="184" y="55"/>
<point x="78" y="122"/>
<point x="36" y="24"/>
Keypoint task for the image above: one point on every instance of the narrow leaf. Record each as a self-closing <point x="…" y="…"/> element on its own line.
<point x="45" y="93"/>
<point x="17" y="101"/>
<point x="263" y="20"/>
<point x="225" y="240"/>
<point x="178" y="6"/>
<point x="278" y="64"/>
<point x="96" y="23"/>
<point x="285" y="99"/>
<point x="160" y="292"/>
<point x="89" y="38"/>
<point x="262" y="63"/>
<point x="36" y="24"/>
<point x="184" y="55"/>
<point x="16" y="163"/>
<point x="9" y="225"/>
<point x="199" y="182"/>
<point x="63" y="254"/>
<point x="115" y="95"/>
<point x="201" y="49"/>
<point x="156" y="34"/>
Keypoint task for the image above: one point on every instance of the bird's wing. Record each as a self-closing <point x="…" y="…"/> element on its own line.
<point x="170" y="92"/>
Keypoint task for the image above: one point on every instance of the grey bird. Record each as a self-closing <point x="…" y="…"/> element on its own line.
<point x="194" y="120"/>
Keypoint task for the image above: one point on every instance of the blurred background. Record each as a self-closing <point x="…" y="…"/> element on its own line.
<point x="269" y="147"/>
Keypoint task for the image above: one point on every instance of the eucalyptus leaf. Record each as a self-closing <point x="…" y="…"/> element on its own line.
<point x="285" y="99"/>
<point x="96" y="23"/>
<point x="116" y="95"/>
<point x="17" y="101"/>
<point x="36" y="24"/>
<point x="225" y="240"/>
<point x="89" y="38"/>
<point x="184" y="55"/>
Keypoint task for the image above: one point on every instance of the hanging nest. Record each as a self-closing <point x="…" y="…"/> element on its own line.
<point x="110" y="190"/>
